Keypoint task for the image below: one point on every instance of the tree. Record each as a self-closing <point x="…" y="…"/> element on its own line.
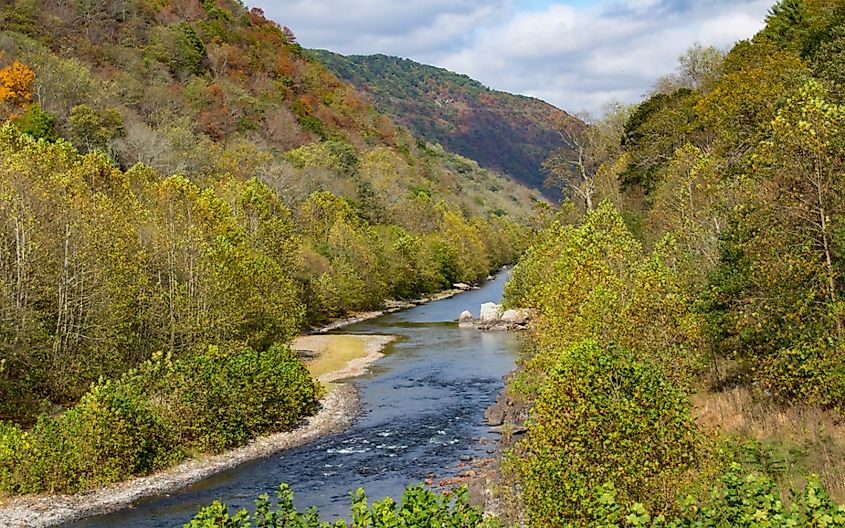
<point x="95" y="130"/>
<point x="806" y="159"/>
<point x="698" y="69"/>
<point x="588" y="145"/>
<point x="604" y="416"/>
<point x="17" y="82"/>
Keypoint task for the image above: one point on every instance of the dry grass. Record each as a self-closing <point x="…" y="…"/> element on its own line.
<point x="786" y="442"/>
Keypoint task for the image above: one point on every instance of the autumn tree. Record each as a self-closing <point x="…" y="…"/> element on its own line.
<point x="805" y="160"/>
<point x="17" y="83"/>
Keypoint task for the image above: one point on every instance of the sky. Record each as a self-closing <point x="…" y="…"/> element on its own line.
<point x="576" y="54"/>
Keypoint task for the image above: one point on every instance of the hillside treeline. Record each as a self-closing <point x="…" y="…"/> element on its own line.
<point x="182" y="190"/>
<point x="698" y="266"/>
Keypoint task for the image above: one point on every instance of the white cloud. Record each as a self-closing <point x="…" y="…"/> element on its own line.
<point x="576" y="55"/>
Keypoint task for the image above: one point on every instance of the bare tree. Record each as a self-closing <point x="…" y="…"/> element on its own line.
<point x="587" y="146"/>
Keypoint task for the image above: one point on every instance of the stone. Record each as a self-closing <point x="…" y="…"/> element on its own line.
<point x="494" y="416"/>
<point x="516" y="317"/>
<point x="466" y="315"/>
<point x="462" y="286"/>
<point x="490" y="312"/>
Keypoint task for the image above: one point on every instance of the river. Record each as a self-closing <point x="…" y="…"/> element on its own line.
<point x="422" y="413"/>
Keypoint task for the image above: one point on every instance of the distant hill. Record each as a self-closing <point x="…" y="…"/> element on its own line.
<point x="501" y="131"/>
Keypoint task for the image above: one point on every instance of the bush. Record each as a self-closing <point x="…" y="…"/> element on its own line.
<point x="603" y="416"/>
<point x="420" y="508"/>
<point x="150" y="417"/>
<point x="216" y="401"/>
<point x="37" y="123"/>
<point x="110" y="434"/>
<point x="741" y="501"/>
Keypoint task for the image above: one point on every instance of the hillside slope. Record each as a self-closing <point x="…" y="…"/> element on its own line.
<point x="510" y="133"/>
<point x="177" y="177"/>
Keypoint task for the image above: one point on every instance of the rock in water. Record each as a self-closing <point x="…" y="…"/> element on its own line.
<point x="516" y="317"/>
<point x="490" y="312"/>
<point x="461" y="286"/>
<point x="465" y="320"/>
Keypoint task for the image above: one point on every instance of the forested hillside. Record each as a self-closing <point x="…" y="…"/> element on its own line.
<point x="688" y="362"/>
<point x="182" y="189"/>
<point x="510" y="133"/>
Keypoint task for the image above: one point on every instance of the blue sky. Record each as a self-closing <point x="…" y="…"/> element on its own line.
<point x="576" y="54"/>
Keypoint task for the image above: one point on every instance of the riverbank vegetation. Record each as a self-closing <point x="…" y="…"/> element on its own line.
<point x="690" y="296"/>
<point x="179" y="181"/>
<point x="419" y="507"/>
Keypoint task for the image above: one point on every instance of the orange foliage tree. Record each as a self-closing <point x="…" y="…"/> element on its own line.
<point x="17" y="82"/>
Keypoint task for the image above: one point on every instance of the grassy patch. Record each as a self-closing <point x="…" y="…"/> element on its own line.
<point x="332" y="352"/>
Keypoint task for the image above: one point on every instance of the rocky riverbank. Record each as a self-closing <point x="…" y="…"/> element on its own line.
<point x="390" y="306"/>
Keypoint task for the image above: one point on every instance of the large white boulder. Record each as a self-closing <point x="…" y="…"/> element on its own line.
<point x="490" y="312"/>
<point x="465" y="320"/>
<point x="461" y="286"/>
<point x="516" y="316"/>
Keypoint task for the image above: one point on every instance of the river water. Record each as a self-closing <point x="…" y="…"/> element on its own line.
<point x="422" y="412"/>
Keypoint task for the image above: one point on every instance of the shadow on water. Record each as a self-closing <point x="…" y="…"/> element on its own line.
<point x="423" y="406"/>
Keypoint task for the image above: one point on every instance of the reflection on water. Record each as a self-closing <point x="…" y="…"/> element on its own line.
<point x="423" y="405"/>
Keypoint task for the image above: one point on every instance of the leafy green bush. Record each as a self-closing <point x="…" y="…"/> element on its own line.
<point x="110" y="434"/>
<point x="151" y="416"/>
<point x="220" y="400"/>
<point x="603" y="416"/>
<point x="420" y="508"/>
<point x="37" y="123"/>
<point x="741" y="501"/>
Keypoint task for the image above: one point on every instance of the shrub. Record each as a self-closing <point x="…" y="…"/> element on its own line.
<point x="151" y="416"/>
<point x="603" y="416"/>
<point x="37" y="123"/>
<point x="420" y="508"/>
<point x="109" y="435"/>
<point x="741" y="501"/>
<point x="220" y="400"/>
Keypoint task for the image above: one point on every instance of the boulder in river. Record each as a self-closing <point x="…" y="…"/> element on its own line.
<point x="466" y="320"/>
<point x="516" y="317"/>
<point x="490" y="312"/>
<point x="462" y="286"/>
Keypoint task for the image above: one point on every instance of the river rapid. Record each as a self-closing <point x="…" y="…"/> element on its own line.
<point x="422" y="414"/>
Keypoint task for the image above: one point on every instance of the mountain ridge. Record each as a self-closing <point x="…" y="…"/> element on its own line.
<point x="501" y="131"/>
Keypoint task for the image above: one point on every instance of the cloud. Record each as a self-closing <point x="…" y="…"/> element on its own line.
<point x="576" y="54"/>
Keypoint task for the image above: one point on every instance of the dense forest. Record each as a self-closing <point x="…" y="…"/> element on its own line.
<point x="501" y="131"/>
<point x="687" y="365"/>
<point x="182" y="190"/>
